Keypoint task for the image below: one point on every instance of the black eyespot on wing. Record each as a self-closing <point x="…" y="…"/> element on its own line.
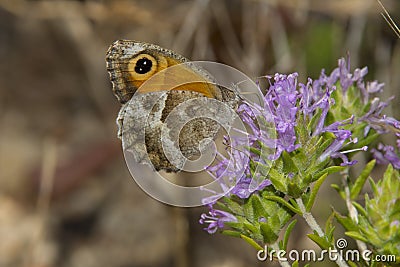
<point x="143" y="65"/>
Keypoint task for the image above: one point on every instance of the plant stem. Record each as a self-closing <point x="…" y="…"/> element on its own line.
<point x="282" y="262"/>
<point x="350" y="207"/>
<point x="315" y="226"/>
<point x="309" y="218"/>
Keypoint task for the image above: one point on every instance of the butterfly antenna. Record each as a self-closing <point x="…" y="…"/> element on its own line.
<point x="234" y="148"/>
<point x="247" y="93"/>
<point x="236" y="86"/>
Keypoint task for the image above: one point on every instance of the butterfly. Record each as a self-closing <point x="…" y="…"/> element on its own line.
<point x="152" y="84"/>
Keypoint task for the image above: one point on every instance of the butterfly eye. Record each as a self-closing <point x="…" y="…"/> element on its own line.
<point x="142" y="67"/>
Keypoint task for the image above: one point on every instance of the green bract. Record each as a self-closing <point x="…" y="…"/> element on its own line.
<point x="378" y="221"/>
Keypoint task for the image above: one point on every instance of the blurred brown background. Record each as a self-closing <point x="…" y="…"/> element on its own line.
<point x="66" y="197"/>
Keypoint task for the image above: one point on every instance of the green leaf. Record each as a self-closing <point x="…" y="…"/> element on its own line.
<point x="231" y="233"/>
<point x="294" y="190"/>
<point x="254" y="150"/>
<point x="329" y="228"/>
<point x="360" y="181"/>
<point x="276" y="179"/>
<point x="329" y="234"/>
<point x="346" y="222"/>
<point x="295" y="264"/>
<point x="268" y="233"/>
<point x="250" y="227"/>
<point x="373" y="186"/>
<point x="288" y="165"/>
<point x="232" y="206"/>
<point x="356" y="235"/>
<point x="352" y="264"/>
<point x="258" y="208"/>
<point x="283" y="202"/>
<point x="235" y="225"/>
<point x="388" y="173"/>
<point x="329" y="170"/>
<point x="265" y="152"/>
<point x="315" y="190"/>
<point x="301" y="159"/>
<point x="320" y="241"/>
<point x="339" y="190"/>
<point x="336" y="187"/>
<point x="314" y="121"/>
<point x="302" y="130"/>
<point x="260" y="168"/>
<point x="274" y="221"/>
<point x="287" y="234"/>
<point x="293" y="202"/>
<point x="360" y="209"/>
<point x="248" y="210"/>
<point x="321" y="146"/>
<point x="251" y="242"/>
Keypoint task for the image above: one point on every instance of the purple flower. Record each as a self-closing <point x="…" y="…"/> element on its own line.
<point x="346" y="79"/>
<point x="337" y="144"/>
<point x="233" y="174"/>
<point x="386" y="154"/>
<point x="381" y="124"/>
<point x="283" y="103"/>
<point x="317" y="95"/>
<point x="282" y="100"/>
<point x="216" y="219"/>
<point x="279" y="108"/>
<point x="294" y="116"/>
<point x="345" y="76"/>
<point x="395" y="223"/>
<point x="244" y="188"/>
<point x="374" y="87"/>
<point x="234" y="177"/>
<point x="373" y="117"/>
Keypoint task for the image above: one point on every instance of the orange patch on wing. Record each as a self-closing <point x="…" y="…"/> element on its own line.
<point x="176" y="77"/>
